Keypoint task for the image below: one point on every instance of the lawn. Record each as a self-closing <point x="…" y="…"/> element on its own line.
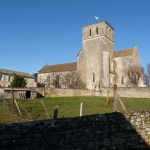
<point x="68" y="107"/>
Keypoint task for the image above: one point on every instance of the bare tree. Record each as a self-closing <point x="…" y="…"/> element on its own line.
<point x="134" y="73"/>
<point x="147" y="76"/>
<point x="146" y="79"/>
<point x="73" y="81"/>
<point x="148" y="69"/>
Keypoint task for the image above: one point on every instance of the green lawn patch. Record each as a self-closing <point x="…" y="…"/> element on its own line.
<point x="68" y="107"/>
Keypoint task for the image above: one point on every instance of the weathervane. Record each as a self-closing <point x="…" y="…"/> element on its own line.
<point x="96" y="18"/>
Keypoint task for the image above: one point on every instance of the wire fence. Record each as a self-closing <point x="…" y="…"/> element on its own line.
<point x="64" y="107"/>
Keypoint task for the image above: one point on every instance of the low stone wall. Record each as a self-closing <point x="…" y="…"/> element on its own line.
<point x="48" y="92"/>
<point x="113" y="131"/>
<point x="69" y="92"/>
<point x="141" y="92"/>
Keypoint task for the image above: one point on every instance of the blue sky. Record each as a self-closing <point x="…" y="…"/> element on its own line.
<point x="33" y="32"/>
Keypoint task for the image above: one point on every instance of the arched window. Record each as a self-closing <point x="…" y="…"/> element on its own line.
<point x="122" y="80"/>
<point x="57" y="81"/>
<point x="48" y="80"/>
<point x="90" y="32"/>
<point x="96" y="30"/>
<point x="109" y="65"/>
<point x="93" y="77"/>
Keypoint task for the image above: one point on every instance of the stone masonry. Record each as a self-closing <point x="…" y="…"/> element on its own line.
<point x="113" y="131"/>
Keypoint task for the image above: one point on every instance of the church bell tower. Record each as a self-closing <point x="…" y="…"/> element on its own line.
<point x="96" y="54"/>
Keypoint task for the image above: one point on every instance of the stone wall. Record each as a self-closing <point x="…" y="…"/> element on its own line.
<point x="122" y="63"/>
<point x="49" y="79"/>
<point x="48" y="92"/>
<point x="113" y="131"/>
<point x="142" y="92"/>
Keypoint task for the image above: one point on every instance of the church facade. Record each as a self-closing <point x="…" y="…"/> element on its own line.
<point x="97" y="66"/>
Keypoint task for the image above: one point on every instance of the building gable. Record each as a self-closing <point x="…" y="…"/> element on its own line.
<point x="124" y="52"/>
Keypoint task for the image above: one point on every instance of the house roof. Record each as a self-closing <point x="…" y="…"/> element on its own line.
<point x="124" y="52"/>
<point x="59" y="67"/>
<point x="10" y="72"/>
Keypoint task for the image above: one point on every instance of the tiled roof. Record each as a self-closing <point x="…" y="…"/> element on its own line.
<point x="59" y="67"/>
<point x="125" y="52"/>
<point x="10" y="72"/>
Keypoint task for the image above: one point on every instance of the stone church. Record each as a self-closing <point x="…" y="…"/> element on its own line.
<point x="97" y="66"/>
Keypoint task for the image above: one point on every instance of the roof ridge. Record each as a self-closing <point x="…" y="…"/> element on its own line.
<point x="43" y="67"/>
<point x="62" y="64"/>
<point x="11" y="72"/>
<point x="14" y="71"/>
<point x="72" y="66"/>
<point x="124" y="49"/>
<point x="124" y="52"/>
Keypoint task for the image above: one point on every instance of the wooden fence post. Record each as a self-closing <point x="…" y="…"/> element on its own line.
<point x="81" y="109"/>
<point x="12" y="99"/>
<point x="115" y="98"/>
<point x="55" y="112"/>
<point x="18" y="107"/>
<point x="43" y="93"/>
<point x="121" y="103"/>
<point x="25" y="110"/>
<point x="45" y="109"/>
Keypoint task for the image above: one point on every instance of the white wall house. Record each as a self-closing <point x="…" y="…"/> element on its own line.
<point x="6" y="77"/>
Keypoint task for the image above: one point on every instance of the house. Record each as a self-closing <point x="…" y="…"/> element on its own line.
<point x="6" y="77"/>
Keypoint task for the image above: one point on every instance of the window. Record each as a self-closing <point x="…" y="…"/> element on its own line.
<point x="48" y="79"/>
<point x="30" y="81"/>
<point x="9" y="77"/>
<point x="93" y="77"/>
<point x="57" y="81"/>
<point x="96" y="30"/>
<point x="90" y="32"/>
<point x="109" y="65"/>
<point x="122" y="80"/>
<point x="1" y="77"/>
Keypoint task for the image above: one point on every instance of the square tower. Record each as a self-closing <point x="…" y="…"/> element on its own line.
<point x="96" y="54"/>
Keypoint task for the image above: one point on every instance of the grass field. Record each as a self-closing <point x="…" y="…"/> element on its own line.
<point x="68" y="107"/>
